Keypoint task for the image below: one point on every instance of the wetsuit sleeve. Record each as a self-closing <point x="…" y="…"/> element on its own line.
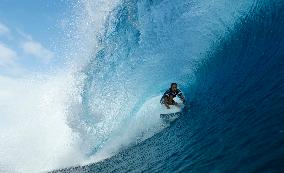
<point x="167" y="93"/>
<point x="180" y="95"/>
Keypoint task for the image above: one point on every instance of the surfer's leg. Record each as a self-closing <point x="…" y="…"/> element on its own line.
<point x="166" y="102"/>
<point x="171" y="100"/>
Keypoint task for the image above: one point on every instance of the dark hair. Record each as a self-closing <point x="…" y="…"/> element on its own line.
<point x="173" y="84"/>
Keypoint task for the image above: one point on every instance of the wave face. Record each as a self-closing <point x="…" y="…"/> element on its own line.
<point x="226" y="56"/>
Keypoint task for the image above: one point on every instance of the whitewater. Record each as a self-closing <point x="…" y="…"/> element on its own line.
<point x="97" y="113"/>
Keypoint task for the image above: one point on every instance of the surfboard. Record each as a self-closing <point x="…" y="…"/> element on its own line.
<point x="174" y="111"/>
<point x="154" y="110"/>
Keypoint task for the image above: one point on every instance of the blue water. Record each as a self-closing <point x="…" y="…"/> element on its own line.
<point x="227" y="57"/>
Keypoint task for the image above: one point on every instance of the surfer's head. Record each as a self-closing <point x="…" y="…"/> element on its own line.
<point x="173" y="87"/>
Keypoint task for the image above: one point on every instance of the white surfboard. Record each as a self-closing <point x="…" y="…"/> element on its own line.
<point x="154" y="110"/>
<point x="174" y="111"/>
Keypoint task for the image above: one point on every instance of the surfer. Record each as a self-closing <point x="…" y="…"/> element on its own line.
<point x="171" y="93"/>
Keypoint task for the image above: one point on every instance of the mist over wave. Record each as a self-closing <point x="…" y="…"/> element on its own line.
<point x="34" y="109"/>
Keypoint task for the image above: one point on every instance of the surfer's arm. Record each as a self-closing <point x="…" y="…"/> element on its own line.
<point x="164" y="100"/>
<point x="180" y="95"/>
<point x="166" y="104"/>
<point x="164" y="97"/>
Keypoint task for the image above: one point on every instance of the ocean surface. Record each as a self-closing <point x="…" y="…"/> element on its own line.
<point x="227" y="57"/>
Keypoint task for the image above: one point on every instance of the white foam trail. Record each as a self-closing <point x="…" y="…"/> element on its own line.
<point x="143" y="125"/>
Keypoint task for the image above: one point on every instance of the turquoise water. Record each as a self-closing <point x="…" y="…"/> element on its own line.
<point x="226" y="56"/>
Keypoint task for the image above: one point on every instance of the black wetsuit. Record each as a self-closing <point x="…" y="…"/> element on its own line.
<point x="169" y="92"/>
